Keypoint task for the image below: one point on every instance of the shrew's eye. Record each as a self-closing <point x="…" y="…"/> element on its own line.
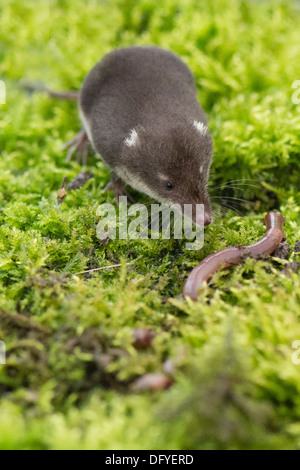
<point x="169" y="185"/>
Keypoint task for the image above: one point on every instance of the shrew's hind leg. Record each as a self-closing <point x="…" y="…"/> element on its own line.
<point x="118" y="187"/>
<point x="79" y="145"/>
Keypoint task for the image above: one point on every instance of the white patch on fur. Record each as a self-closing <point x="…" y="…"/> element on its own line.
<point x="132" y="139"/>
<point x="201" y="169"/>
<point x="202" y="128"/>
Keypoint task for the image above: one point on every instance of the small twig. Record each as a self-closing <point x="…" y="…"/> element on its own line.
<point x="63" y="95"/>
<point x="98" y="269"/>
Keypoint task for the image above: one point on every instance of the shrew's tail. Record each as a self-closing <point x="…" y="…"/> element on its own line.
<point x="61" y="95"/>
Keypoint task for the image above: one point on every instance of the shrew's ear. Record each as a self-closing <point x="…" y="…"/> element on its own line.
<point x="132" y="139"/>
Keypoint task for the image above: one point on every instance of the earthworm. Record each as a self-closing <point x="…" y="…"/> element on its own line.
<point x="236" y="255"/>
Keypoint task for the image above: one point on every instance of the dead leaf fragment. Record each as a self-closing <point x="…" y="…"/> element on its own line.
<point x="143" y="338"/>
<point x="282" y="251"/>
<point x="292" y="267"/>
<point x="80" y="180"/>
<point x="157" y="381"/>
<point x="297" y="247"/>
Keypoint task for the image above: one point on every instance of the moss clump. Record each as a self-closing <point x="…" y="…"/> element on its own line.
<point x="70" y="359"/>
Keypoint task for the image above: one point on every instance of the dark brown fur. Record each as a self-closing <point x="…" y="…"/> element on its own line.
<point x="152" y="91"/>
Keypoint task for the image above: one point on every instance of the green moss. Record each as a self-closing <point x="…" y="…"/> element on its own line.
<point x="70" y="359"/>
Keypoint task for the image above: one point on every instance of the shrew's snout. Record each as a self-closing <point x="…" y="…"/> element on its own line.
<point x="207" y="218"/>
<point x="202" y="217"/>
